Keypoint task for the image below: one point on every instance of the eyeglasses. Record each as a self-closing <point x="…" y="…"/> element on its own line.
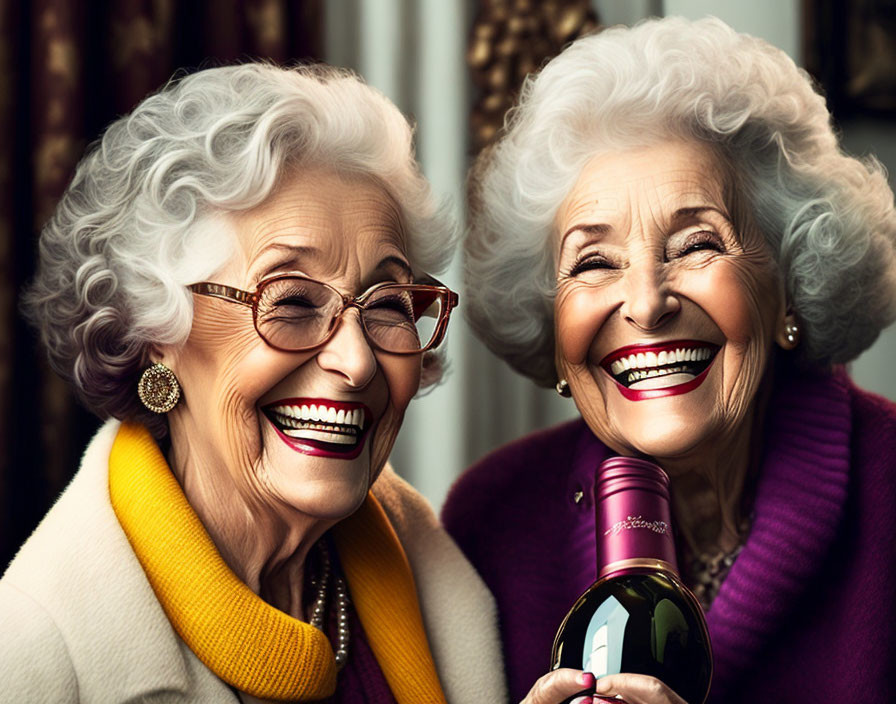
<point x="293" y="313"/>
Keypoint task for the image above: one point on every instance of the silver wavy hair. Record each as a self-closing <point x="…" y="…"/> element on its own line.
<point x="827" y="217"/>
<point x="137" y="223"/>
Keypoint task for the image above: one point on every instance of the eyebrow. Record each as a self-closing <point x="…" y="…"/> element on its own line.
<point x="588" y="228"/>
<point x="297" y="252"/>
<point x="690" y="212"/>
<point x="601" y="229"/>
<point x="395" y="261"/>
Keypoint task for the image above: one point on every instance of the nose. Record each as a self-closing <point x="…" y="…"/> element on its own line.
<point x="348" y="353"/>
<point x="649" y="301"/>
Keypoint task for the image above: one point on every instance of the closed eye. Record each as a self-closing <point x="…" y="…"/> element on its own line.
<point x="694" y="243"/>
<point x="700" y="246"/>
<point x="393" y="305"/>
<point x="590" y="263"/>
<point x="298" y="301"/>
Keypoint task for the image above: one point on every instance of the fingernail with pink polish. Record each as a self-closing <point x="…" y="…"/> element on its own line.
<point x="586" y="679"/>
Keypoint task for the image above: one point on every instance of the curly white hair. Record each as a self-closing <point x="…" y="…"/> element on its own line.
<point x="827" y="217"/>
<point x="137" y="223"/>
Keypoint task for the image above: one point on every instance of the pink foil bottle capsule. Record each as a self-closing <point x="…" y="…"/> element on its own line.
<point x="634" y="526"/>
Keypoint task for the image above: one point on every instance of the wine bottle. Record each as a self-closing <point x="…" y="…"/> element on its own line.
<point x="638" y="616"/>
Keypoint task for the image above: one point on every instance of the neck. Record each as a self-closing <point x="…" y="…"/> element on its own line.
<point x="712" y="489"/>
<point x="266" y="543"/>
<point x="708" y="498"/>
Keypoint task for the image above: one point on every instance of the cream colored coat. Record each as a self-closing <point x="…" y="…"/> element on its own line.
<point x="79" y="621"/>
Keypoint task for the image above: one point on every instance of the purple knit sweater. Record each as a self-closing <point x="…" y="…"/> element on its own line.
<point x="808" y="612"/>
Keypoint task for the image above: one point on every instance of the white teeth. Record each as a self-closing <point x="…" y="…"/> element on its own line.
<point x="651" y="360"/>
<point x="296" y="416"/>
<point x="661" y="381"/>
<point x="322" y="435"/>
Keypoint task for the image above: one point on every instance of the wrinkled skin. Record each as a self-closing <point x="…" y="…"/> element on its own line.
<point x="660" y="272"/>
<point x="650" y="248"/>
<point x="266" y="502"/>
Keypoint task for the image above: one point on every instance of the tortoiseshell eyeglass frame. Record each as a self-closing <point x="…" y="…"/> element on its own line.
<point x="251" y="299"/>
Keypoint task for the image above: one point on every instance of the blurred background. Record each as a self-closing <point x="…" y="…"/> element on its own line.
<point x="453" y="66"/>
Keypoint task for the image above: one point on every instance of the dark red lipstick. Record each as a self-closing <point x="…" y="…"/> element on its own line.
<point x="312" y="416"/>
<point x="696" y="362"/>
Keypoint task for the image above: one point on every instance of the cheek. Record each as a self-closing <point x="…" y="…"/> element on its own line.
<point x="402" y="376"/>
<point x="578" y="315"/>
<point x="234" y="370"/>
<point x="243" y="379"/>
<point x="742" y="298"/>
<point x="402" y="379"/>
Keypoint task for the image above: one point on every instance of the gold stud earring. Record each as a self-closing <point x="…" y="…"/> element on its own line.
<point x="562" y="388"/>
<point x="158" y="388"/>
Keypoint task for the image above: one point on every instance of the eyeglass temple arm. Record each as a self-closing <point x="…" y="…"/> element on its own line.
<point x="228" y="293"/>
<point x="451" y="304"/>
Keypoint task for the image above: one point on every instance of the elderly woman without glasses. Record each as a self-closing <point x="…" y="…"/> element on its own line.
<point x="669" y="231"/>
<point x="236" y="275"/>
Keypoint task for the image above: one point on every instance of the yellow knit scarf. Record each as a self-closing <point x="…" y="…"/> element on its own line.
<point x="242" y="639"/>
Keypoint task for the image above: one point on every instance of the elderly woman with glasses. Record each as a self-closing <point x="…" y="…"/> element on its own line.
<point x="669" y="232"/>
<point x="236" y="278"/>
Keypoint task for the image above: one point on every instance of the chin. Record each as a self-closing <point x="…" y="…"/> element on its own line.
<point x="330" y="500"/>
<point x="316" y="483"/>
<point x="666" y="438"/>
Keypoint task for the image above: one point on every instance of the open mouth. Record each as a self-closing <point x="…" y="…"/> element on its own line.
<point x="669" y="367"/>
<point x="320" y="426"/>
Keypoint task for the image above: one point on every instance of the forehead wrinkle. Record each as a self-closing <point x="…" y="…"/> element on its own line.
<point x="302" y="220"/>
<point x="328" y="243"/>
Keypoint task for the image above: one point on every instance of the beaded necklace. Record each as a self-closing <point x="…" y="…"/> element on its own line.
<point x="707" y="571"/>
<point x="319" y="606"/>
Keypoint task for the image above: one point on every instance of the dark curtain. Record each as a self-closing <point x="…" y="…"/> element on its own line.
<point x="66" y="70"/>
<point x="509" y="40"/>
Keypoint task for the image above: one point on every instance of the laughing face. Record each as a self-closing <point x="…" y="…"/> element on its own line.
<point x="291" y="432"/>
<point x="667" y="302"/>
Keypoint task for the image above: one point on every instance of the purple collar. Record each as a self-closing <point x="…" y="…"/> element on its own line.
<point x="799" y="505"/>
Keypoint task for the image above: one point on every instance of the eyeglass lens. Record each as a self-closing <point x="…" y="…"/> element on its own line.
<point x="295" y="313"/>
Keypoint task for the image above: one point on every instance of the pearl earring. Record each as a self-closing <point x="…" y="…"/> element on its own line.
<point x="792" y="333"/>
<point x="562" y="388"/>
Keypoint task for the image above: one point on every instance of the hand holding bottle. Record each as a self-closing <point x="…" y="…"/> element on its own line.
<point x="562" y="685"/>
<point x="635" y="689"/>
